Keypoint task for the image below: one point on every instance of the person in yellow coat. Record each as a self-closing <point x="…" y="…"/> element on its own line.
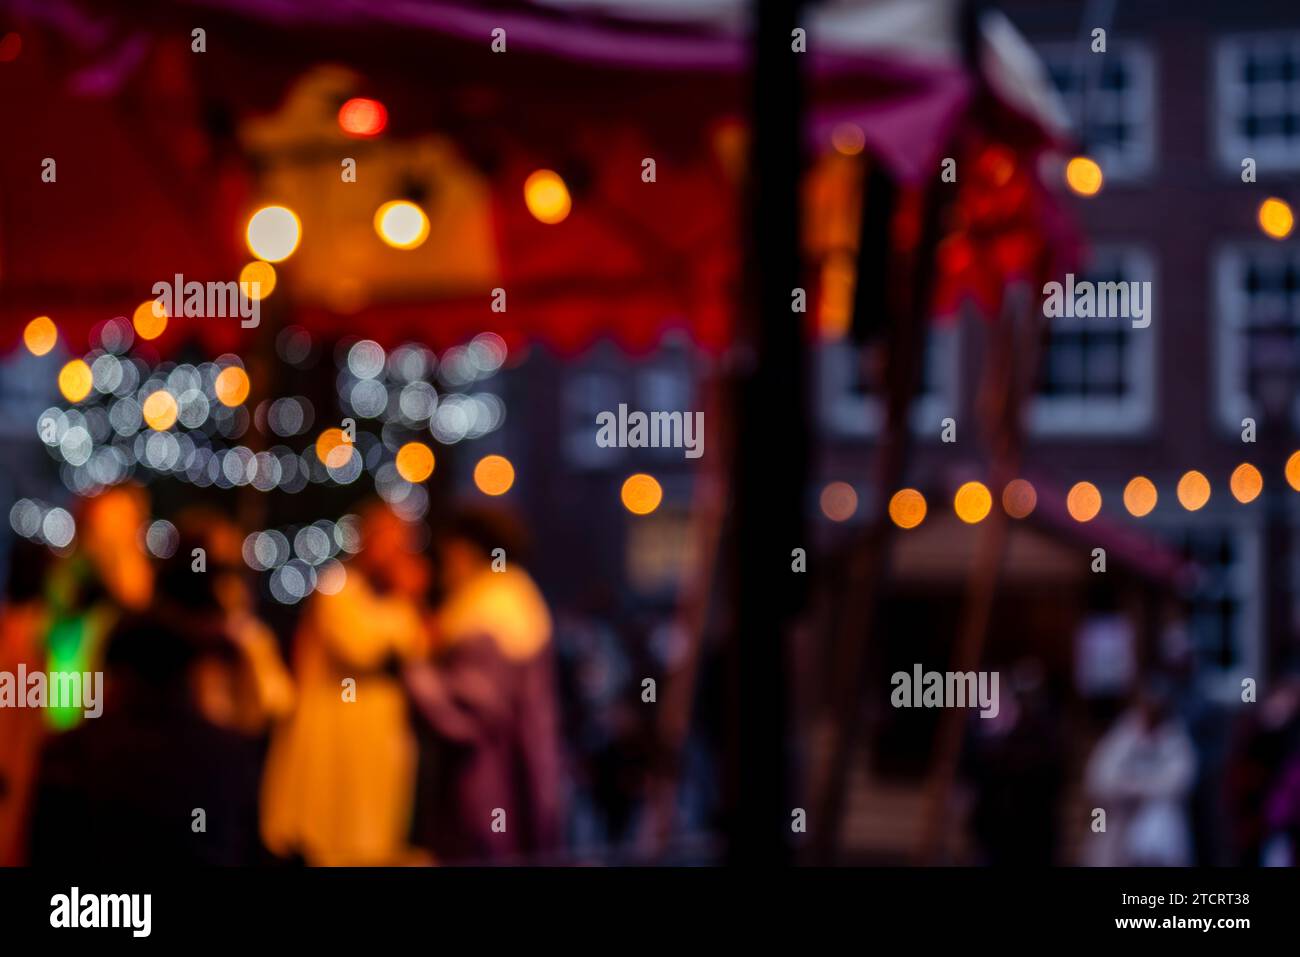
<point x="340" y="776"/>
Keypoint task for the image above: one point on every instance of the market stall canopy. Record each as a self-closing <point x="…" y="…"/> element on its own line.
<point x="162" y="153"/>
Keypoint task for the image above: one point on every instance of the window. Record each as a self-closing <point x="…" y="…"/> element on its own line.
<point x="1258" y="329"/>
<point x="662" y="383"/>
<point x="1097" y="375"/>
<point x="850" y="395"/>
<point x="1110" y="100"/>
<point x="1258" y="100"/>
<point x="1223" y="611"/>
<point x="586" y="394"/>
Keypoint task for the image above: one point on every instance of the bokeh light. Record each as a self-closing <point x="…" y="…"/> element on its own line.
<point x="848" y="139"/>
<point x="257" y="279"/>
<point x="75" y="380"/>
<point x="547" y="196"/>
<point x="1276" y="218"/>
<point x="972" y="502"/>
<point x="1293" y="471"/>
<point x="839" y="501"/>
<point x="1246" y="483"/>
<point x="494" y="475"/>
<point x="641" y="494"/>
<point x="363" y="117"/>
<point x="149" y="319"/>
<point x="40" y="335"/>
<point x="907" y="508"/>
<point x="58" y="527"/>
<point x="1019" y="498"/>
<point x="1083" y="175"/>
<point x="160" y="410"/>
<point x="231" y="386"/>
<point x="161" y="539"/>
<point x="273" y="233"/>
<point x="1193" y="490"/>
<point x="401" y="224"/>
<point x="1083" y="502"/>
<point x="415" y="461"/>
<point x="333" y="448"/>
<point x="1140" y="496"/>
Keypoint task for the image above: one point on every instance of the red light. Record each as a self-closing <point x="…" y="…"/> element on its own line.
<point x="363" y="117"/>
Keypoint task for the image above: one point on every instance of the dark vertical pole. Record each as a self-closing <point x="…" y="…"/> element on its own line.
<point x="1275" y="375"/>
<point x="905" y="342"/>
<point x="770" y="455"/>
<point x="1278" y="638"/>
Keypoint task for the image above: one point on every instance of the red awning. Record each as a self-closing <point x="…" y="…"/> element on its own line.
<point x="155" y="175"/>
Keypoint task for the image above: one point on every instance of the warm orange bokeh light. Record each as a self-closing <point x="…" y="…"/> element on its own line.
<point x="257" y="279"/>
<point x="1019" y="498"/>
<point x="839" y="501"/>
<point x="1083" y="502"/>
<point x="333" y="448"/>
<point x="1293" y="471"/>
<point x="1083" y="175"/>
<point x="494" y="475"/>
<point x="150" y="319"/>
<point x="547" y="196"/>
<point x="75" y="381"/>
<point x="273" y="233"/>
<point x="160" y="410"/>
<point x="848" y="139"/>
<point x="1276" y="218"/>
<point x="1193" y="490"/>
<point x="401" y="224"/>
<point x="907" y="508"/>
<point x="232" y="386"/>
<point x="1140" y="496"/>
<point x="1246" y="483"/>
<point x="972" y="502"/>
<point x="641" y="494"/>
<point x="415" y="461"/>
<point x="40" y="335"/>
<point x="363" y="117"/>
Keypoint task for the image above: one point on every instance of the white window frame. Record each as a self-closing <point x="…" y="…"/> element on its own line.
<point x="847" y="413"/>
<point x="1139" y="105"/>
<point x="1133" y="414"/>
<point x="1230" y="97"/>
<point x="1224" y="685"/>
<point x="1234" y="403"/>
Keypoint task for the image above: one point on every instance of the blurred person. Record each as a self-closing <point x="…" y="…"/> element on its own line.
<point x="106" y="575"/>
<point x="163" y="775"/>
<point x="610" y="750"/>
<point x="1141" y="773"/>
<point x="1264" y="738"/>
<point x="488" y="696"/>
<point x="1282" y="818"/>
<point x="1207" y="723"/>
<point x="340" y="776"/>
<point x="248" y="686"/>
<point x="1016" y="762"/>
<point x="24" y="619"/>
